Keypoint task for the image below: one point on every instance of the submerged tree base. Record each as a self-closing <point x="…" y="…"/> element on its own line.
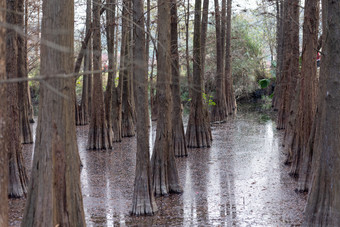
<point x="198" y="132"/>
<point x="99" y="139"/>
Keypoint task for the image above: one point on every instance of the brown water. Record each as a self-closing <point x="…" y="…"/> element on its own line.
<point x="239" y="181"/>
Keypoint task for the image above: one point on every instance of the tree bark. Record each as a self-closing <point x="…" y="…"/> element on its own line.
<point x="82" y="110"/>
<point x="29" y="100"/>
<point x="100" y="136"/>
<point x="3" y="120"/>
<point x="128" y="126"/>
<point x="323" y="204"/>
<point x="164" y="171"/>
<point x="205" y="16"/>
<point x="229" y="89"/>
<point x="143" y="202"/>
<point x="148" y="33"/>
<point x="153" y="101"/>
<point x="279" y="52"/>
<point x="198" y="133"/>
<point x="116" y="111"/>
<point x="178" y="136"/>
<point x="110" y="34"/>
<point x="219" y="110"/>
<point x="187" y="57"/>
<point x="290" y="67"/>
<point x="54" y="197"/>
<point x="310" y="155"/>
<point x="223" y="32"/>
<point x="25" y="127"/>
<point x="307" y="89"/>
<point x="17" y="171"/>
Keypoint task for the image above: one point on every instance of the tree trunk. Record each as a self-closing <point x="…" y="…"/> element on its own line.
<point x="229" y="89"/>
<point x="178" y="136"/>
<point x="219" y="109"/>
<point x="223" y="30"/>
<point x="82" y="110"/>
<point x="25" y="127"/>
<point x="54" y="197"/>
<point x="3" y="121"/>
<point x="28" y="96"/>
<point x="290" y="67"/>
<point x="128" y="127"/>
<point x="131" y="65"/>
<point x="153" y="103"/>
<point x="89" y="60"/>
<point x="148" y="33"/>
<point x="307" y="94"/>
<point x="279" y="52"/>
<point x="323" y="204"/>
<point x="110" y="34"/>
<point x="116" y="111"/>
<point x="187" y="57"/>
<point x="198" y="133"/>
<point x="143" y="202"/>
<point x="164" y="171"/>
<point x="311" y="151"/>
<point x="153" y="100"/>
<point x="100" y="136"/>
<point x="205" y="16"/>
<point x="17" y="171"/>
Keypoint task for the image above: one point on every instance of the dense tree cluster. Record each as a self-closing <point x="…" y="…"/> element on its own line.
<point x="117" y="95"/>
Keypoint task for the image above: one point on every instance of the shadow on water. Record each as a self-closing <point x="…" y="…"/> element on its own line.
<point x="239" y="181"/>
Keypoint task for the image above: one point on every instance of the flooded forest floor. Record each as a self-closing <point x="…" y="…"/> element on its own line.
<point x="240" y="181"/>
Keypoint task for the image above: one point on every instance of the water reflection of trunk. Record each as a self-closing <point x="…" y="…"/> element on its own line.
<point x="189" y="199"/>
<point x="256" y="183"/>
<point x="221" y="184"/>
<point x="84" y="179"/>
<point x="214" y="185"/>
<point x="195" y="203"/>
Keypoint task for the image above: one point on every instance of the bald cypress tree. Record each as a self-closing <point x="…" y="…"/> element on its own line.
<point x="219" y="110"/>
<point x="229" y="89"/>
<point x="54" y="196"/>
<point x="143" y="202"/>
<point x="164" y="171"/>
<point x="128" y="111"/>
<point x="178" y="136"/>
<point x="24" y="124"/>
<point x="323" y="205"/>
<point x="17" y="171"/>
<point x="198" y="133"/>
<point x="100" y="136"/>
<point x="290" y="63"/>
